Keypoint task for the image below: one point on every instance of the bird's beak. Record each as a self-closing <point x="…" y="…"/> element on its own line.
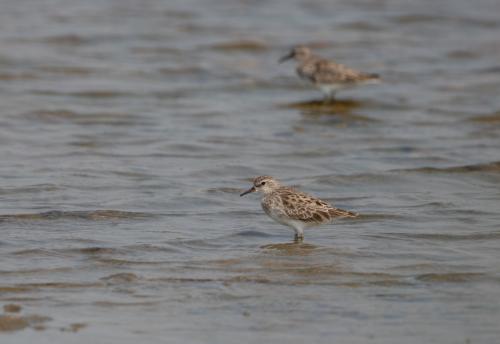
<point x="286" y="57"/>
<point x="252" y="189"/>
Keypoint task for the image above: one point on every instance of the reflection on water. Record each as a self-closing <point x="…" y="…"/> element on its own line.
<point x="338" y="106"/>
<point x="86" y="215"/>
<point x="339" y="112"/>
<point x="128" y="128"/>
<point x="294" y="248"/>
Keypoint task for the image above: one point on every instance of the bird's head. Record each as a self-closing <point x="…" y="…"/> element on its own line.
<point x="264" y="184"/>
<point x="299" y="53"/>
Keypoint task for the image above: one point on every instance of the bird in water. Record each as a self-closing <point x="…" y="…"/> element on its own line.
<point x="327" y="75"/>
<point x="293" y="208"/>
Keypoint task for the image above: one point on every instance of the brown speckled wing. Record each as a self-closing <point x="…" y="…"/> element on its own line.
<point x="327" y="72"/>
<point x="303" y="207"/>
<point x="336" y="212"/>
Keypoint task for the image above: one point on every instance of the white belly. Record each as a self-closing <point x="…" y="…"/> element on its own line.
<point x="296" y="225"/>
<point x="331" y="88"/>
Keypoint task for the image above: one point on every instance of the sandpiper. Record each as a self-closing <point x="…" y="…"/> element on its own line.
<point x="327" y="75"/>
<point x="294" y="208"/>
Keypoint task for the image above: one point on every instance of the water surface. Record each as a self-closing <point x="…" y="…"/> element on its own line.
<point x="128" y="130"/>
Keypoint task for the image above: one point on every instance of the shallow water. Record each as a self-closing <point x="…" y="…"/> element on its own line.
<point x="128" y="130"/>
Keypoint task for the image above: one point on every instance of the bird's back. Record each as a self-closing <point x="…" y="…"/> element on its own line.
<point x="322" y="71"/>
<point x="286" y="202"/>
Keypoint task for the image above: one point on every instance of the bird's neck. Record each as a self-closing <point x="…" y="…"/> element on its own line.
<point x="269" y="191"/>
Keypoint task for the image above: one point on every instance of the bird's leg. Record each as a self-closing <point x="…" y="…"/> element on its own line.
<point x="299" y="234"/>
<point x="298" y="238"/>
<point x="326" y="99"/>
<point x="329" y="98"/>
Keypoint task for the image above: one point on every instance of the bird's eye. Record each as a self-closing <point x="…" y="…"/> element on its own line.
<point x="263" y="183"/>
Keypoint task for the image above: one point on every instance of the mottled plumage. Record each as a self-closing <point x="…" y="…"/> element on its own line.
<point x="327" y="75"/>
<point x="294" y="208"/>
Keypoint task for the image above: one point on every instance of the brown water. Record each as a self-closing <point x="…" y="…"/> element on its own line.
<point x="128" y="129"/>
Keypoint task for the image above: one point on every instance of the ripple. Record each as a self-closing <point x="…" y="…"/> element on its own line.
<point x="28" y="287"/>
<point x="291" y="248"/>
<point x="94" y="215"/>
<point x="487" y="119"/>
<point x="12" y="308"/>
<point x="373" y="217"/>
<point x="67" y="70"/>
<point x="95" y="250"/>
<point x="185" y="280"/>
<point x="91" y="252"/>
<point x="487" y="167"/>
<point x="125" y="262"/>
<point x="224" y="190"/>
<point x="253" y="234"/>
<point x="453" y="277"/>
<point x="11" y="323"/>
<point x="66" y="40"/>
<point x="417" y="18"/>
<point x="336" y="117"/>
<point x="28" y="189"/>
<point x="17" y="76"/>
<point x="75" y="327"/>
<point x="361" y="26"/>
<point x="120" y="278"/>
<point x="182" y="71"/>
<point x="87" y="94"/>
<point x="368" y="178"/>
<point x="241" y="45"/>
<point x="439" y="19"/>
<point x="109" y="304"/>
<point x="47" y="271"/>
<point x="61" y="116"/>
<point x="451" y="237"/>
<point x="337" y="106"/>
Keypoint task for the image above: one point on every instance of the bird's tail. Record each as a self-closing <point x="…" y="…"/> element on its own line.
<point x="336" y="212"/>
<point x="370" y="79"/>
